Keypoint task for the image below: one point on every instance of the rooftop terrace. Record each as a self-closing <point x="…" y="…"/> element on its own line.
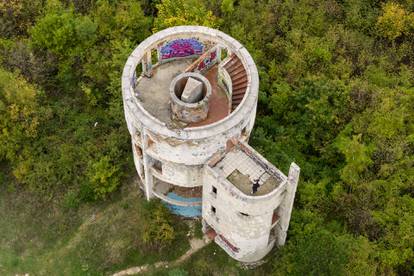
<point x="151" y="69"/>
<point x="154" y="94"/>
<point x="243" y="168"/>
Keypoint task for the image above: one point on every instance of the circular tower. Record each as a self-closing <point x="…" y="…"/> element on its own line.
<point x="187" y="91"/>
<point x="190" y="96"/>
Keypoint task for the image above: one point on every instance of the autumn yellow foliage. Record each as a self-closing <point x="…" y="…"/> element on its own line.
<point x="395" y="21"/>
<point x="183" y="12"/>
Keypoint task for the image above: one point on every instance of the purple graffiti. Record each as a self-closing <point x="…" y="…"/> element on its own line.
<point x="181" y="48"/>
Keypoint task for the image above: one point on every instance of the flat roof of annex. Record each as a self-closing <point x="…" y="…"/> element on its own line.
<point x="241" y="165"/>
<point x="141" y="114"/>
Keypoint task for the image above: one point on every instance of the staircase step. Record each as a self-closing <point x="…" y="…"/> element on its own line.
<point x="236" y="71"/>
<point x="238" y="100"/>
<point x="231" y="63"/>
<point x="234" y="68"/>
<point x="239" y="92"/>
<point x="239" y="81"/>
<point x="241" y="75"/>
<point x="236" y="97"/>
<point x="232" y="58"/>
<point x="240" y="86"/>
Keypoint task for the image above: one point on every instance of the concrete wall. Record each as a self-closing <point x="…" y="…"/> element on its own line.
<point x="249" y="233"/>
<point x="194" y="151"/>
<point x="182" y="175"/>
<point x="254" y="205"/>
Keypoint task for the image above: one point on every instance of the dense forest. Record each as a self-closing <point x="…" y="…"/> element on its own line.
<point x="336" y="96"/>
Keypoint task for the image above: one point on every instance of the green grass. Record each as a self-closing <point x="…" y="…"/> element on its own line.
<point x="48" y="238"/>
<point x="53" y="238"/>
<point x="212" y="260"/>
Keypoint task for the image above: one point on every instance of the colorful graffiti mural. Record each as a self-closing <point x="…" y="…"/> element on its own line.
<point x="181" y="48"/>
<point x="208" y="61"/>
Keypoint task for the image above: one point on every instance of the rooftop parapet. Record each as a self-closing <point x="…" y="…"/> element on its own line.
<point x="248" y="171"/>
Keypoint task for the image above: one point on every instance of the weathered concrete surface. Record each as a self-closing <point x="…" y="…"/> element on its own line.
<point x="193" y="91"/>
<point x="242" y="170"/>
<point x="243" y="220"/>
<point x="154" y="92"/>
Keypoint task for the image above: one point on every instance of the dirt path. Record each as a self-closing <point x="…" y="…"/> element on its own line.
<point x="195" y="245"/>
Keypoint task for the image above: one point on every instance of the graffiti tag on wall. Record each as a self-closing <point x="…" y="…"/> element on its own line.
<point x="208" y="61"/>
<point x="181" y="48"/>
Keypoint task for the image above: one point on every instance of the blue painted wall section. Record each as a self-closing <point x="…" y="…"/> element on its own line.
<point x="189" y="211"/>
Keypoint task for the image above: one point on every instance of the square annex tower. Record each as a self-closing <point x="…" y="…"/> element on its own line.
<point x="190" y="97"/>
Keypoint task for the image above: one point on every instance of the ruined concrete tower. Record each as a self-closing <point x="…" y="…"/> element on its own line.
<point x="190" y="96"/>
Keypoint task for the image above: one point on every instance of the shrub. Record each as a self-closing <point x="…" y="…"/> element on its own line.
<point x="103" y="177"/>
<point x="158" y="232"/>
<point x="395" y="21"/>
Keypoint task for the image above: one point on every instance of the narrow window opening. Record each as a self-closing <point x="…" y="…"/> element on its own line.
<point x="272" y="235"/>
<point x="224" y="53"/>
<point x="213" y="209"/>
<point x="245" y="133"/>
<point x="138" y="70"/>
<point x="229" y="244"/>
<point x="157" y="165"/>
<point x="244" y="214"/>
<point x="150" y="142"/>
<point x="138" y="135"/>
<point x="154" y="57"/>
<point x="275" y="216"/>
<point x="137" y="74"/>
<point x="214" y="190"/>
<point x="138" y="150"/>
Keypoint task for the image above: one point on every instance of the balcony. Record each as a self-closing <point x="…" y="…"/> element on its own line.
<point x="182" y="201"/>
